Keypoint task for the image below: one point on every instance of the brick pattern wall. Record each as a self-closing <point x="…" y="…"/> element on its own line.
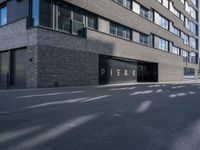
<point x="64" y="67"/>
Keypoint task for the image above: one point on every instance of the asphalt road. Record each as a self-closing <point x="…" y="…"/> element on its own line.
<point x="128" y="117"/>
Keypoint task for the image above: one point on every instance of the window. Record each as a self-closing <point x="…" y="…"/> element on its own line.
<point x="185" y="55"/>
<point x="183" y="1"/>
<point x="161" y="21"/>
<point x="35" y="12"/>
<point x="189" y="73"/>
<point x="92" y="21"/>
<point x="193" y="27"/>
<point x="193" y="43"/>
<point x="174" y="30"/>
<point x="174" y="10"/>
<point x="194" y="2"/>
<point x="166" y="3"/>
<point x="64" y="18"/>
<point x="182" y="17"/>
<point x="175" y="50"/>
<point x="3" y="15"/>
<point x="46" y="13"/>
<point x="193" y="57"/>
<point x="190" y="10"/>
<point x="161" y="43"/>
<point x="187" y="23"/>
<point x="185" y="38"/>
<point x="125" y="3"/>
<point x="144" y="39"/>
<point x="120" y="31"/>
<point x="136" y="7"/>
<point x="164" y="23"/>
<point x="113" y="29"/>
<point x="78" y="21"/>
<point x="190" y="25"/>
<point x="144" y="12"/>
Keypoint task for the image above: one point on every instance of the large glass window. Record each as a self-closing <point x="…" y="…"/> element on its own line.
<point x="195" y="2"/>
<point x="190" y="10"/>
<point x="92" y="21"/>
<point x="166" y="3"/>
<point x="35" y="12"/>
<point x="125" y="3"/>
<point x="185" y="55"/>
<point x="193" y="27"/>
<point x="120" y="31"/>
<point x="174" y="30"/>
<point x="3" y="15"/>
<point x="185" y="38"/>
<point x="144" y="39"/>
<point x="64" y="18"/>
<point x="161" y="21"/>
<point x="189" y="73"/>
<point x="46" y="13"/>
<point x="136" y="7"/>
<point x="161" y="43"/>
<point x="193" y="43"/>
<point x="144" y="12"/>
<point x="193" y="57"/>
<point x="164" y="23"/>
<point x="175" y="50"/>
<point x="78" y="21"/>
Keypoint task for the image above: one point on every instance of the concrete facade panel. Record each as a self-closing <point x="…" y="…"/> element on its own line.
<point x="108" y="45"/>
<point x="111" y="10"/>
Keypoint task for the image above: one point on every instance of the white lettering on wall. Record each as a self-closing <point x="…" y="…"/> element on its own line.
<point x="118" y="72"/>
<point x="103" y="71"/>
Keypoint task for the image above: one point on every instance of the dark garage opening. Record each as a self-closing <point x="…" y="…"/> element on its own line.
<point x="116" y="70"/>
<point x="147" y="72"/>
<point x="13" y="69"/>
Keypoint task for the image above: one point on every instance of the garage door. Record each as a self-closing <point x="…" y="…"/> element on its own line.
<point x="4" y="69"/>
<point x="18" y="68"/>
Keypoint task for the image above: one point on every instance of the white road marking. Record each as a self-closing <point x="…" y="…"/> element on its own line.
<point x="53" y="133"/>
<point x="143" y="107"/>
<point x="57" y="103"/>
<point x="48" y="94"/>
<point x="96" y="98"/>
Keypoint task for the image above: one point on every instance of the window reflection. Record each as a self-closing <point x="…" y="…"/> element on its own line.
<point x="64" y="17"/>
<point x="3" y="15"/>
<point x="46" y="13"/>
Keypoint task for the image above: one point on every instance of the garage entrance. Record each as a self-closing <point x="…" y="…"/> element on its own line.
<point x="13" y="69"/>
<point x="116" y="70"/>
<point x="147" y="72"/>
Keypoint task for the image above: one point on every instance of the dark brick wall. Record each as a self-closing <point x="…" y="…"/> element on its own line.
<point x="66" y="67"/>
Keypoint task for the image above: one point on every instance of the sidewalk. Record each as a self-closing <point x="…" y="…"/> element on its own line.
<point x="108" y="85"/>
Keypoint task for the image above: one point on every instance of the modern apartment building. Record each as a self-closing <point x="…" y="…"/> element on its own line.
<point x="48" y="43"/>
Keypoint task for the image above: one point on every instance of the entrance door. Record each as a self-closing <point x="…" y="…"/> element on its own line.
<point x="4" y="69"/>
